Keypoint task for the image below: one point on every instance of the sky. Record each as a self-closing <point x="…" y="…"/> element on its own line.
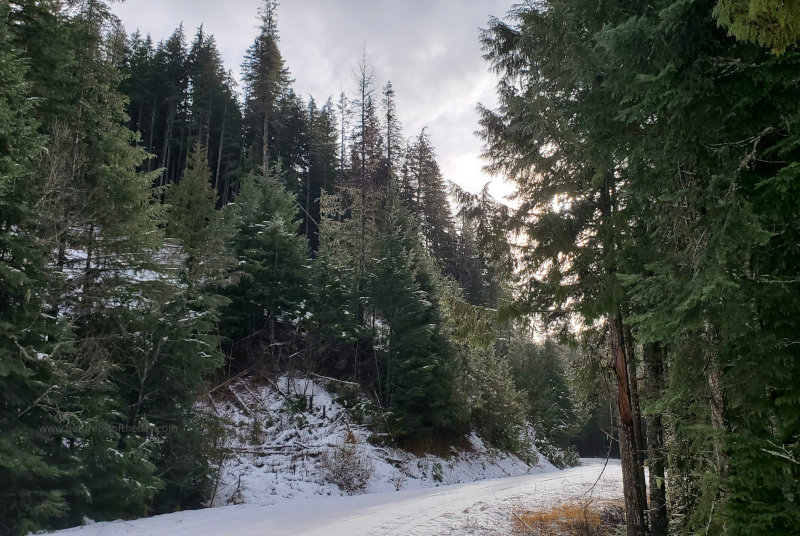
<point x="428" y="49"/>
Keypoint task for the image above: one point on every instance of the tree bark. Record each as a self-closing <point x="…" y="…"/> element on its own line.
<point x="634" y="513"/>
<point x="151" y="159"/>
<point x="265" y="140"/>
<point x="653" y="354"/>
<point x="717" y="403"/>
<point x="641" y="445"/>
<point x="219" y="149"/>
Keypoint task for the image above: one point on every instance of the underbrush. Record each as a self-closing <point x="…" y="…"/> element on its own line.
<point x="347" y="465"/>
<point x="571" y="518"/>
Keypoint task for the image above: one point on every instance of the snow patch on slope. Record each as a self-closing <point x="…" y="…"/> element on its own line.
<point x="281" y="429"/>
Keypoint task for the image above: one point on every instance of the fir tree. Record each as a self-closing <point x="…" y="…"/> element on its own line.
<point x="271" y="272"/>
<point x="191" y="211"/>
<point x="419" y="364"/>
<point x="30" y="496"/>
<point x="266" y="80"/>
<point x="431" y="203"/>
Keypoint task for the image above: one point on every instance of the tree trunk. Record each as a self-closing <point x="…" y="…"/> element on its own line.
<point x="717" y="403"/>
<point x="219" y="149"/>
<point x="166" y="148"/>
<point x="150" y="137"/>
<point x="653" y="354"/>
<point x="633" y="384"/>
<point x="634" y="513"/>
<point x="265" y="143"/>
<point x="308" y="204"/>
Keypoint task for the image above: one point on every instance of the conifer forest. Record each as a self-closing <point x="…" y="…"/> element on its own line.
<point x="172" y="226"/>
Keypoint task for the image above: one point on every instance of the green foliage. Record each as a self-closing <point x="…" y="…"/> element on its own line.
<point x="266" y="81"/>
<point x="334" y="304"/>
<point x="645" y="143"/>
<point x="497" y="405"/>
<point x="541" y="370"/>
<point x="109" y="333"/>
<point x="417" y="362"/>
<point x="270" y="274"/>
<point x="29" y="495"/>
<point x="191" y="214"/>
<point x="771" y="23"/>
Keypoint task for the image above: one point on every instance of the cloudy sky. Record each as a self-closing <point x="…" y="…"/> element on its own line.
<point x="429" y="50"/>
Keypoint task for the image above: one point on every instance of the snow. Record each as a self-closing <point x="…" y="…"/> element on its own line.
<point x="278" y="448"/>
<point x="476" y="508"/>
<point x="275" y="484"/>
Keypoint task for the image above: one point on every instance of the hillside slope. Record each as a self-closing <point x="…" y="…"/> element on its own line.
<point x="291" y="437"/>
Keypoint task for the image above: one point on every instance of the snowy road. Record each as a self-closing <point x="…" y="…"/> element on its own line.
<point x="476" y="508"/>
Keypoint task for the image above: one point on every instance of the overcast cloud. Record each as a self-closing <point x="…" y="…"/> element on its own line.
<point x="428" y="49"/>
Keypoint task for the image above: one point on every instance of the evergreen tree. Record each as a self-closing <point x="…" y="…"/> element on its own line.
<point x="431" y="203"/>
<point x="334" y="301"/>
<point x="418" y="362"/>
<point x="270" y="278"/>
<point x="215" y="118"/>
<point x="171" y="70"/>
<point x="394" y="137"/>
<point x="772" y="23"/>
<point x="30" y="496"/>
<point x="266" y="81"/>
<point x="191" y="211"/>
<point x="322" y="164"/>
<point x="554" y="135"/>
<point x="97" y="216"/>
<point x="701" y="257"/>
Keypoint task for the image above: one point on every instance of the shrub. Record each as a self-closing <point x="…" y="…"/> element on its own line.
<point x="347" y="465"/>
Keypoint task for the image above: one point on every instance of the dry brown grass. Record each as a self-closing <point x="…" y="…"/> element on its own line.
<point x="347" y="465"/>
<point x="571" y="518"/>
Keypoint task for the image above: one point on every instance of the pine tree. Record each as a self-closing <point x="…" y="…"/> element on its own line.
<point x="322" y="164"/>
<point x="393" y="134"/>
<point x="701" y="257"/>
<point x="214" y="115"/>
<point x="270" y="278"/>
<point x="191" y="213"/>
<point x="30" y="496"/>
<point x="98" y="218"/>
<point x="266" y="80"/>
<point x="716" y="245"/>
<point x="571" y="192"/>
<point x="418" y="362"/>
<point x="171" y="69"/>
<point x="334" y="301"/>
<point x="431" y="204"/>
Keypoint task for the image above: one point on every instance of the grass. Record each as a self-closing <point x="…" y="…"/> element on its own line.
<point x="571" y="518"/>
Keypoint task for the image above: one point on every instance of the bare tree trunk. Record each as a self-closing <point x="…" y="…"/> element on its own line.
<point x="219" y="149"/>
<point x="265" y="143"/>
<point x="717" y="403"/>
<point x="150" y="137"/>
<point x="308" y="204"/>
<point x="653" y="354"/>
<point x="633" y="384"/>
<point x="166" y="147"/>
<point x="634" y="513"/>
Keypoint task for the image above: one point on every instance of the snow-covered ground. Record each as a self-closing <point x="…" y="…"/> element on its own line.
<point x="476" y="508"/>
<point x="281" y="430"/>
<point x="278" y="447"/>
